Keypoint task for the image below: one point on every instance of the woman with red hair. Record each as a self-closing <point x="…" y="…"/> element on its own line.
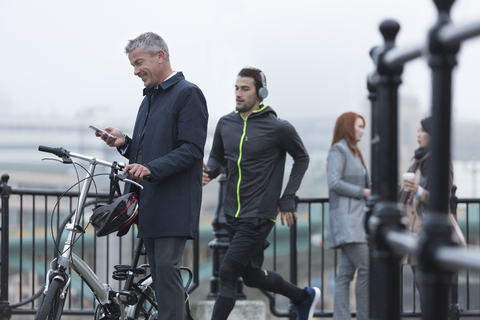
<point x="348" y="185"/>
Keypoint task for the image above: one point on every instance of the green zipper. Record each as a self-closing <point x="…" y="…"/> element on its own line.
<point x="240" y="157"/>
<point x="238" y="164"/>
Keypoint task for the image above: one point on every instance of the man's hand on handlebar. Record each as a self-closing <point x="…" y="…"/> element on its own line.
<point x="117" y="140"/>
<point x="137" y="172"/>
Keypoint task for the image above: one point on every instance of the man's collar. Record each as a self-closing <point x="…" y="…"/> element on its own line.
<point x="148" y="91"/>
<point x="175" y="77"/>
<point x="170" y="76"/>
<point x="260" y="109"/>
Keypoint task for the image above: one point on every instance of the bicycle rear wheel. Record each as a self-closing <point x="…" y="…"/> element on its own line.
<point x="52" y="305"/>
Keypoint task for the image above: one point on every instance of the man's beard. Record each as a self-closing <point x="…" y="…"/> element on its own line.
<point x="246" y="107"/>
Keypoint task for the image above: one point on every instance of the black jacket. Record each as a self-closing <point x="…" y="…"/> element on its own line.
<point x="173" y="146"/>
<point x="253" y="152"/>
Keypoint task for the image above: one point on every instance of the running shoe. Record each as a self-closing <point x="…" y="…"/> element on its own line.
<point x="306" y="309"/>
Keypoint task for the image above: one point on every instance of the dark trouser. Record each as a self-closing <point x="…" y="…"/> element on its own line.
<point x="244" y="258"/>
<point x="164" y="255"/>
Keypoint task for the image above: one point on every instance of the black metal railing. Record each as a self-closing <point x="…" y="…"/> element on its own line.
<point x="301" y="254"/>
<point x="310" y="261"/>
<point x="439" y="258"/>
<point x="32" y="225"/>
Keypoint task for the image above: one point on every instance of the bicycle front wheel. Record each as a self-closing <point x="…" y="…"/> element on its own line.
<point x="52" y="305"/>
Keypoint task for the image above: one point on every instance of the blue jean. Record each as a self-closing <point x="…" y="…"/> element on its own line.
<point x="354" y="258"/>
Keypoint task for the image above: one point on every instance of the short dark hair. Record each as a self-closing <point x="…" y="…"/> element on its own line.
<point x="255" y="74"/>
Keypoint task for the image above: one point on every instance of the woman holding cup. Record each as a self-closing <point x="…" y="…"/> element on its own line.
<point x="415" y="180"/>
<point x="348" y="185"/>
<point x="409" y="178"/>
<point x="415" y="194"/>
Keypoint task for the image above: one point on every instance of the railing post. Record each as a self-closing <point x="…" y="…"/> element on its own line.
<point x="387" y="214"/>
<point x="387" y="217"/>
<point x="292" y="310"/>
<point x="220" y="244"/>
<point x="372" y="82"/>
<point x="5" y="190"/>
<point x="437" y="229"/>
<point x="454" y="306"/>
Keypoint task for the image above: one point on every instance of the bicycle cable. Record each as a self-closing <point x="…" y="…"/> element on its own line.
<point x="59" y="232"/>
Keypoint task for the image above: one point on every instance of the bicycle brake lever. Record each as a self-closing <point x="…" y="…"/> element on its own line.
<point x="124" y="177"/>
<point x="133" y="182"/>
<point x="64" y="160"/>
<point x="53" y="159"/>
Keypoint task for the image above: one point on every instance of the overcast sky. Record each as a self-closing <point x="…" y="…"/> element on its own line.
<point x="66" y="57"/>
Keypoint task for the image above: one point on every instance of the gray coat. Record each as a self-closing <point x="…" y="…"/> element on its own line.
<point x="346" y="180"/>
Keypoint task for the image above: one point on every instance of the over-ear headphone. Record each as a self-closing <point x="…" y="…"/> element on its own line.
<point x="263" y="91"/>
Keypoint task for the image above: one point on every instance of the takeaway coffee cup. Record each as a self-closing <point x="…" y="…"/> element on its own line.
<point x="408" y="176"/>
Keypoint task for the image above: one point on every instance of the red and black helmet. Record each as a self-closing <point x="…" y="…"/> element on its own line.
<point x="116" y="216"/>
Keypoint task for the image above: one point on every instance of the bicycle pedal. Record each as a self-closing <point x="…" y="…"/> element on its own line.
<point x="127" y="297"/>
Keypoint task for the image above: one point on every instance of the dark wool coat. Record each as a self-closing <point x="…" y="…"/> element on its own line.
<point x="173" y="144"/>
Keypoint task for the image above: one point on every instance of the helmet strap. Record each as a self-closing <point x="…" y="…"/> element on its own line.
<point x="114" y="186"/>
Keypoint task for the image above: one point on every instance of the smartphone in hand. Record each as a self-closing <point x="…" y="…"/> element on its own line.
<point x="101" y="131"/>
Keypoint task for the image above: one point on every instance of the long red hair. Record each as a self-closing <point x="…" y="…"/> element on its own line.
<point x="345" y="129"/>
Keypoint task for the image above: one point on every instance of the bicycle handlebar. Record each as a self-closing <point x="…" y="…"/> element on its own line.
<point x="66" y="155"/>
<point x="61" y="152"/>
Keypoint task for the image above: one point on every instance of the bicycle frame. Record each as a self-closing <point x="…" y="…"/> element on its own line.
<point x="64" y="260"/>
<point x="111" y="302"/>
<point x="67" y="258"/>
<point x="99" y="288"/>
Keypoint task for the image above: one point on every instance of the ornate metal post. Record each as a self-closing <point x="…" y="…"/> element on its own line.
<point x="387" y="213"/>
<point x="437" y="229"/>
<point x="372" y="82"/>
<point x="5" y="190"/>
<point x="220" y="244"/>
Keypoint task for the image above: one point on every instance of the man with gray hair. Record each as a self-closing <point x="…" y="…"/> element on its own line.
<point x="165" y="155"/>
